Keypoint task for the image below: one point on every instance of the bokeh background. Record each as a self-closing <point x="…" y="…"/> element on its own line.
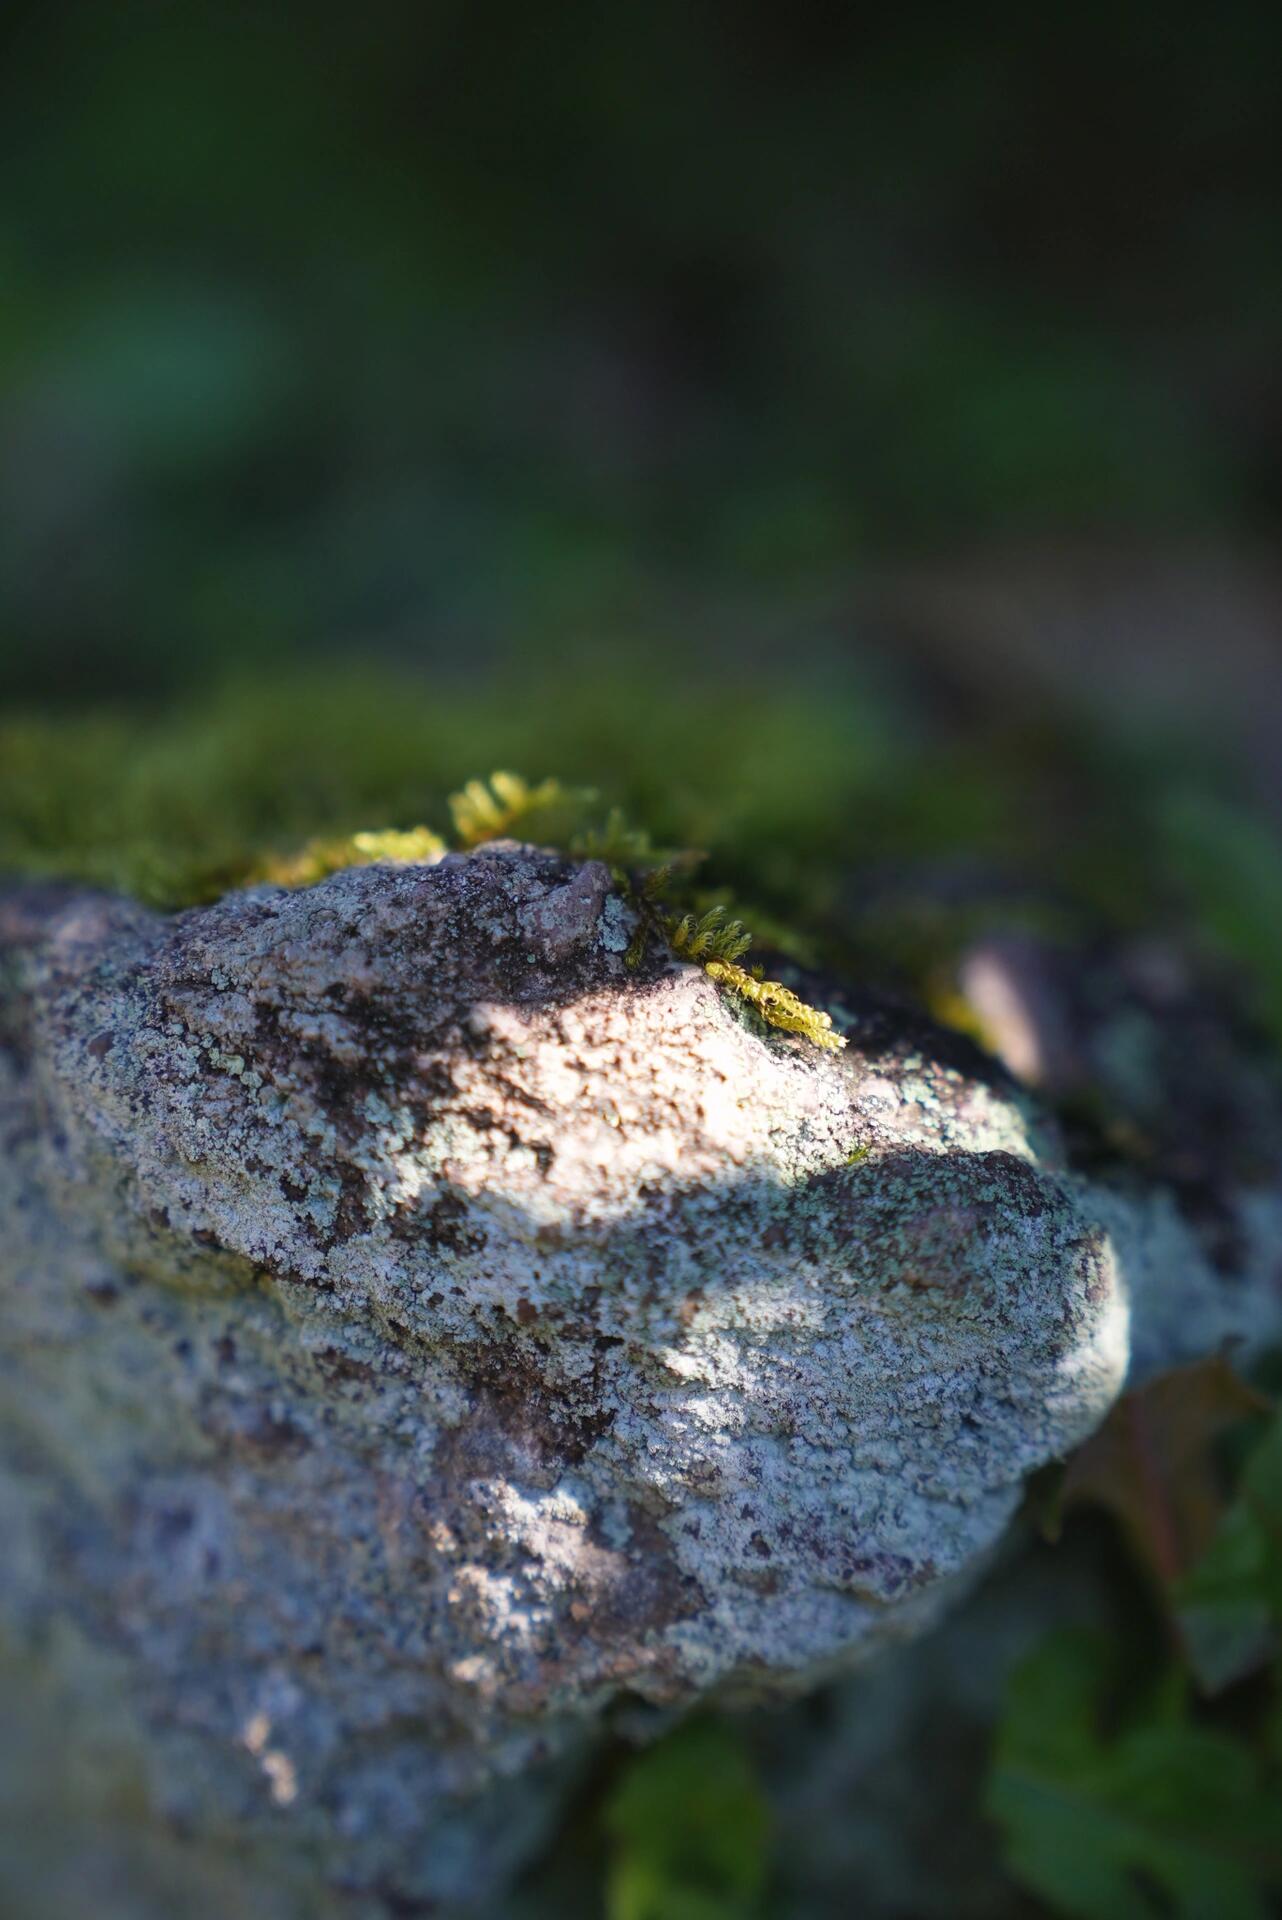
<point x="450" y="334"/>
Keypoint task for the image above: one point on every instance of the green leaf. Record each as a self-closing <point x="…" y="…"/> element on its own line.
<point x="689" y="1829"/>
<point x="1160" y="1817"/>
<point x="1230" y="1603"/>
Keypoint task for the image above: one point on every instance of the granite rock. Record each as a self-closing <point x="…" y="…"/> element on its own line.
<point x="424" y="1337"/>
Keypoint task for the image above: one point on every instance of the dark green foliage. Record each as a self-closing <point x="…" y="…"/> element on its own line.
<point x="689" y="1830"/>
<point x="642" y="297"/>
<point x="1124" y="1807"/>
<point x="1152" y="1814"/>
<point x="1230" y="1605"/>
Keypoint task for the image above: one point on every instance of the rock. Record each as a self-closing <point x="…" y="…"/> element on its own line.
<point x="1173" y="1109"/>
<point x="422" y="1334"/>
<point x="884" y="1773"/>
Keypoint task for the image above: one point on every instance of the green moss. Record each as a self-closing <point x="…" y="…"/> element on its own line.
<point x="709" y="936"/>
<point x="627" y="848"/>
<point x="777" y="1005"/>
<point x="839" y="822"/>
<point x="717" y="943"/>
<point x="319" y="858"/>
<point x="507" y="805"/>
<point x="175" y="804"/>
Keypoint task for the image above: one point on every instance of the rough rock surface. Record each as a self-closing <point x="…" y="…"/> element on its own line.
<point x="1172" y="1108"/>
<point x="420" y="1333"/>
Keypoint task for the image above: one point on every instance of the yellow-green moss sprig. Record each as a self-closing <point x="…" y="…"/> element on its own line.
<point x="321" y="857"/>
<point x="778" y="1005"/>
<point x="708" y="936"/>
<point x="495" y="808"/>
<point x="630" y="850"/>
<point x="718" y="944"/>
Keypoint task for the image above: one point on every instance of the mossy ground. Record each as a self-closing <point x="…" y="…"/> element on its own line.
<point x="833" y="816"/>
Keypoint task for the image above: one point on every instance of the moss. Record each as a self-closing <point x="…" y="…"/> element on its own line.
<point x="778" y="1005"/>
<point x="718" y="944"/>
<point x="627" y="848"/>
<point x="708" y="937"/>
<point x="506" y="804"/>
<point x="856" y="839"/>
<point x="174" y="804"/>
<point x="321" y="857"/>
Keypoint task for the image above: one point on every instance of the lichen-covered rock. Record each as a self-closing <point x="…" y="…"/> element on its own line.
<point x="419" y="1332"/>
<point x="1173" y="1107"/>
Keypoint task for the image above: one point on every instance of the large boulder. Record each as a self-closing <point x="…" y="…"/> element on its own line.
<point x="422" y="1332"/>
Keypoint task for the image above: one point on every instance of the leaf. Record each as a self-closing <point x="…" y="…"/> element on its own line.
<point x="1152" y="1464"/>
<point x="1230" y="1603"/>
<point x="690" y="1828"/>
<point x="1165" y="1817"/>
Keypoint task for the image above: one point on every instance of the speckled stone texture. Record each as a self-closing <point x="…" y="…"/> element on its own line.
<point x="1174" y="1112"/>
<point x="421" y="1334"/>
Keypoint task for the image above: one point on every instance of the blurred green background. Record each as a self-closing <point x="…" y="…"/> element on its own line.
<point x="453" y="332"/>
